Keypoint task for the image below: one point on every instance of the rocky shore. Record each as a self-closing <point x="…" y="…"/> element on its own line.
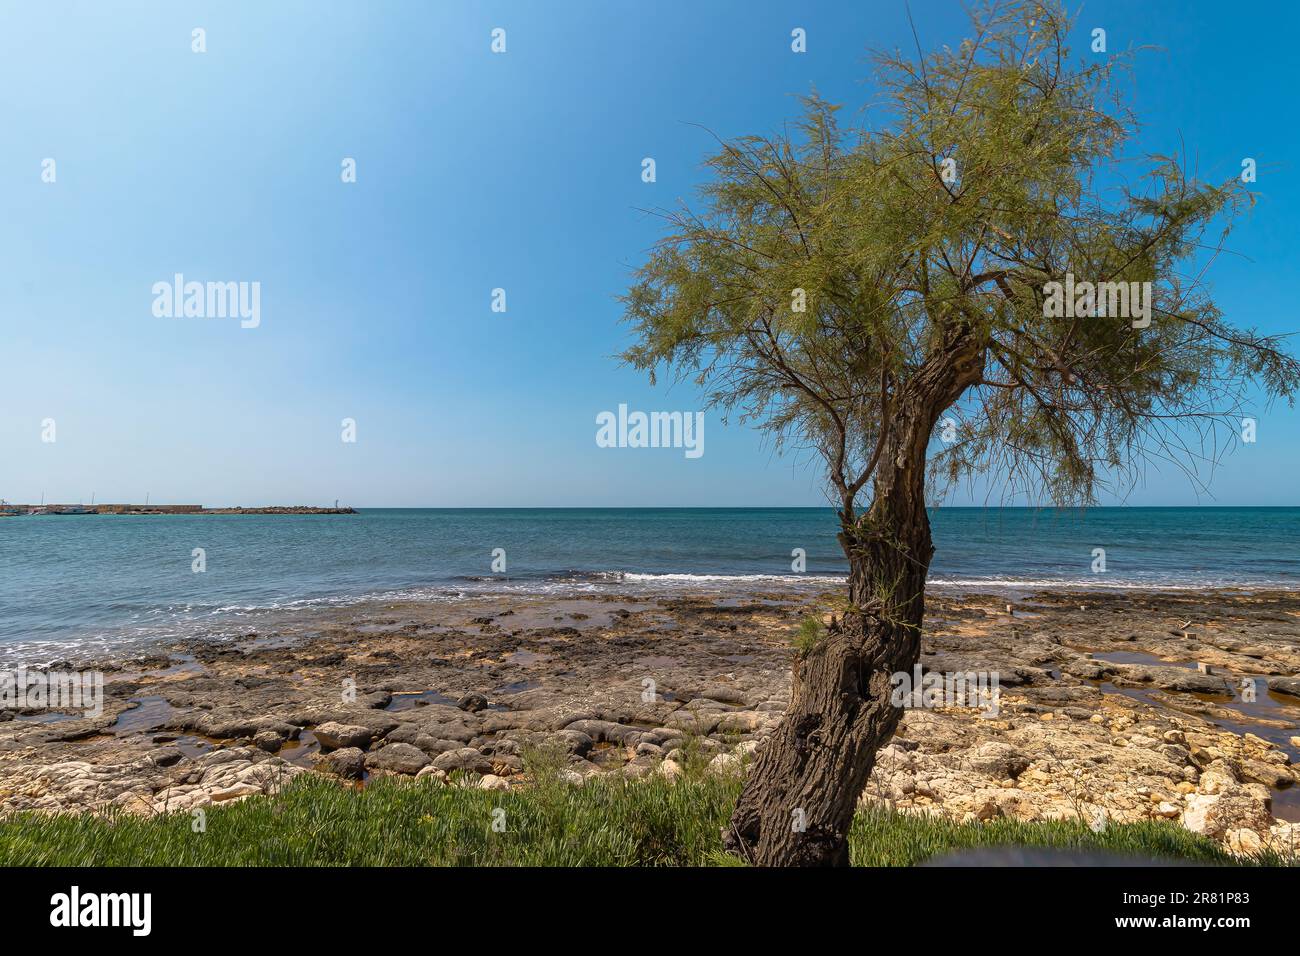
<point x="1114" y="706"/>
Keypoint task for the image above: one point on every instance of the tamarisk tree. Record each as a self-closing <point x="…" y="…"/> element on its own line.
<point x="983" y="263"/>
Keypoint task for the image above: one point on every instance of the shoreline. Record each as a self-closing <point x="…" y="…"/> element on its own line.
<point x="123" y="642"/>
<point x="1103" y="710"/>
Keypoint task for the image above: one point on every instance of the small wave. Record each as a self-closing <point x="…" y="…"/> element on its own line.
<point x="593" y="576"/>
<point x="734" y="578"/>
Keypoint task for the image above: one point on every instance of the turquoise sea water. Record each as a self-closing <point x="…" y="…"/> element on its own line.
<point x="110" y="579"/>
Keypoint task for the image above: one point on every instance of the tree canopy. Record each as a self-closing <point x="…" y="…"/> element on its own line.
<point x="824" y="266"/>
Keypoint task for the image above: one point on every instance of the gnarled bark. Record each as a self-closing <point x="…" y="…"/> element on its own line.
<point x="798" y="802"/>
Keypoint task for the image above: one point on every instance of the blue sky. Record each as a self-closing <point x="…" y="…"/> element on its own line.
<point x="475" y="171"/>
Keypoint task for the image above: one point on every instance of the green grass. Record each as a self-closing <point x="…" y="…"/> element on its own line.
<point x="895" y="839"/>
<point x="609" y="822"/>
<point x="811" y="630"/>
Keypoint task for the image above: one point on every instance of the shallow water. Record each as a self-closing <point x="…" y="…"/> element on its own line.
<point x="1266" y="706"/>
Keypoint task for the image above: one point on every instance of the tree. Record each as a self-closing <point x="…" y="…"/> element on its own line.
<point x="847" y="289"/>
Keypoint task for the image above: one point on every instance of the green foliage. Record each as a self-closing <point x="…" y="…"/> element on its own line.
<point x="543" y="763"/>
<point x="610" y="821"/>
<point x="924" y="291"/>
<point x="811" y="630"/>
<point x="694" y="759"/>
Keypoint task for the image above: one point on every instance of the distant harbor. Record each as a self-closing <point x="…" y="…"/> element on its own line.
<point x="8" y="510"/>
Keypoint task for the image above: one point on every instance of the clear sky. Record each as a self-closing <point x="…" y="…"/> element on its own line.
<point x="475" y="171"/>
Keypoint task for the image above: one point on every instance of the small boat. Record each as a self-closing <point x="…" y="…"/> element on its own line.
<point x="71" y="510"/>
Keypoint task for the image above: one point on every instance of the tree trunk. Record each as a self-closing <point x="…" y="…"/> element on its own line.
<point x="799" y="800"/>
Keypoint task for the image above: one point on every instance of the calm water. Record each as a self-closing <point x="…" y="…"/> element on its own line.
<point x="112" y="579"/>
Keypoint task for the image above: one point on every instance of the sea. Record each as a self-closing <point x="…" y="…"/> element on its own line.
<point x="113" y="580"/>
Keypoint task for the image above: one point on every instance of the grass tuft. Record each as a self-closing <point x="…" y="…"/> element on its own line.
<point x="811" y="631"/>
